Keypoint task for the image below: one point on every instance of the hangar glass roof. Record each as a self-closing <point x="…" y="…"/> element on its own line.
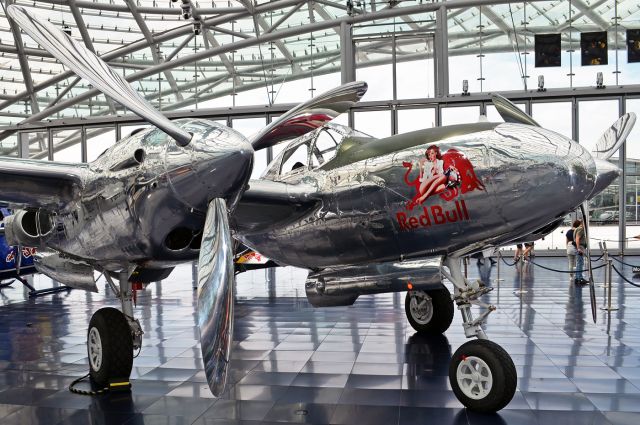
<point x="252" y="52"/>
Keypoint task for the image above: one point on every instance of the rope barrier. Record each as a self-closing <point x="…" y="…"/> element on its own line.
<point x="624" y="278"/>
<point x="505" y="261"/>
<point x="622" y="262"/>
<point x="566" y="271"/>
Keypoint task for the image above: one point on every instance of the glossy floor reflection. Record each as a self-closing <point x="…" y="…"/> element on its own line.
<point x="353" y="365"/>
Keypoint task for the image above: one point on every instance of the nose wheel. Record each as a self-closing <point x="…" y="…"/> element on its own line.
<point x="482" y="376"/>
<point x="429" y="312"/>
<point x="109" y="347"/>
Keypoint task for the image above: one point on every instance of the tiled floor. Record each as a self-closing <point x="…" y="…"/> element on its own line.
<point x="348" y="365"/>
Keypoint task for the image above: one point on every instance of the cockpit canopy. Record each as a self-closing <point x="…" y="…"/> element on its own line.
<point x="310" y="151"/>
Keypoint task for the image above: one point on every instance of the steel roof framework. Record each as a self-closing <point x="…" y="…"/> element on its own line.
<point x="248" y="45"/>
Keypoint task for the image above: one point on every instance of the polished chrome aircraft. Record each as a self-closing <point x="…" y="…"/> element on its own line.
<point x="363" y="215"/>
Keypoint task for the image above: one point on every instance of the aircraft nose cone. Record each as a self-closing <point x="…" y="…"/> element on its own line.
<point x="606" y="173"/>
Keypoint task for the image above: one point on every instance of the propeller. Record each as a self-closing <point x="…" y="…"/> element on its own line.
<point x="584" y="208"/>
<point x="89" y="66"/>
<point x="215" y="264"/>
<point x="215" y="295"/>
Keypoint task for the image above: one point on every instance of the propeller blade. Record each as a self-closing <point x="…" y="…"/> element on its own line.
<point x="510" y="112"/>
<point x="89" y="66"/>
<point x="584" y="208"/>
<point x="614" y="136"/>
<point x="215" y="295"/>
<point x="310" y="115"/>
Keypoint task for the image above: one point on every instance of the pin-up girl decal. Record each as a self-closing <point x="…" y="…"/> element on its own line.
<point x="445" y="175"/>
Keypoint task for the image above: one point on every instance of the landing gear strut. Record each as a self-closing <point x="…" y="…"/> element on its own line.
<point x="482" y="374"/>
<point x="112" y="337"/>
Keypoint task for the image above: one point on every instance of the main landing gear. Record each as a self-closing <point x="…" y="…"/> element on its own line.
<point x="482" y="374"/>
<point x="112" y="338"/>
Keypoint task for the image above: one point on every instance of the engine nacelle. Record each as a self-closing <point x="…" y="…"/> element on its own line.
<point x="28" y="227"/>
<point x="342" y="286"/>
<point x="69" y="271"/>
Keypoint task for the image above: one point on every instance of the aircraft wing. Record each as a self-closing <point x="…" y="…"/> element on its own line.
<point x="32" y="183"/>
<point x="267" y="203"/>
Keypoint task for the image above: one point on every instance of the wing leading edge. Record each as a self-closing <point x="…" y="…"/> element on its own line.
<point x="266" y="203"/>
<point x="32" y="183"/>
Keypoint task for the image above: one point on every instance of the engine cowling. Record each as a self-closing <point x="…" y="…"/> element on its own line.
<point x="342" y="286"/>
<point x="70" y="271"/>
<point x="28" y="227"/>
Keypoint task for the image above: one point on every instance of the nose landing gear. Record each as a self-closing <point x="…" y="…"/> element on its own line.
<point x="481" y="373"/>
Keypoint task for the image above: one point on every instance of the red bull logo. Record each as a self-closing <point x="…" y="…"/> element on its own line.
<point x="446" y="175"/>
<point x="26" y="253"/>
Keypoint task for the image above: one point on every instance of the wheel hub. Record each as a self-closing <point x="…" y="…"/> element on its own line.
<point x="95" y="349"/>
<point x="474" y="377"/>
<point x="421" y="307"/>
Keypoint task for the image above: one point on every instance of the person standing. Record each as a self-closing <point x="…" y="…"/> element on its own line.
<point x="571" y="247"/>
<point x="581" y="248"/>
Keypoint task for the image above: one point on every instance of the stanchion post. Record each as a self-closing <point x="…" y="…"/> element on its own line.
<point x="607" y="270"/>
<point x="497" y="279"/>
<point x="520" y="266"/>
<point x="609" y="307"/>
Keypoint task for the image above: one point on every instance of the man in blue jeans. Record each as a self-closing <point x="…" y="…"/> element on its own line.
<point x="581" y="247"/>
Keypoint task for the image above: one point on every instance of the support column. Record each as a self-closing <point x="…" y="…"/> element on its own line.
<point x="622" y="210"/>
<point x="347" y="53"/>
<point x="441" y="53"/>
<point x="23" y="145"/>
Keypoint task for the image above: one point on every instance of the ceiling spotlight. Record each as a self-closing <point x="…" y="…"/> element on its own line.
<point x="349" y="7"/>
<point x="600" y="81"/>
<point x="541" y="83"/>
<point x="197" y="28"/>
<point x="465" y="88"/>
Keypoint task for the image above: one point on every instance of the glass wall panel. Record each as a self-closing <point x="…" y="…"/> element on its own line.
<point x="556" y="116"/>
<point x="380" y="81"/>
<point x="38" y="145"/>
<point x="460" y="115"/>
<point x="632" y="182"/>
<point x="248" y="127"/>
<point x="374" y="123"/>
<point x="414" y="70"/>
<point x="594" y="117"/>
<point x="98" y="140"/>
<point x="9" y="146"/>
<point x="494" y="116"/>
<point x="501" y="72"/>
<point x="415" y="119"/>
<point x="67" y="145"/>
<point x="127" y="130"/>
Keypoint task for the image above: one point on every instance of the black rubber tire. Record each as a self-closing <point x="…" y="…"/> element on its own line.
<point x="442" y="312"/>
<point x="117" y="346"/>
<point x="503" y="372"/>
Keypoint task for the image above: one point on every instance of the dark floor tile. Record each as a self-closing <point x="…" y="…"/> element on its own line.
<point x="253" y="410"/>
<point x="365" y="414"/>
<point x="178" y="406"/>
<point x="310" y="413"/>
